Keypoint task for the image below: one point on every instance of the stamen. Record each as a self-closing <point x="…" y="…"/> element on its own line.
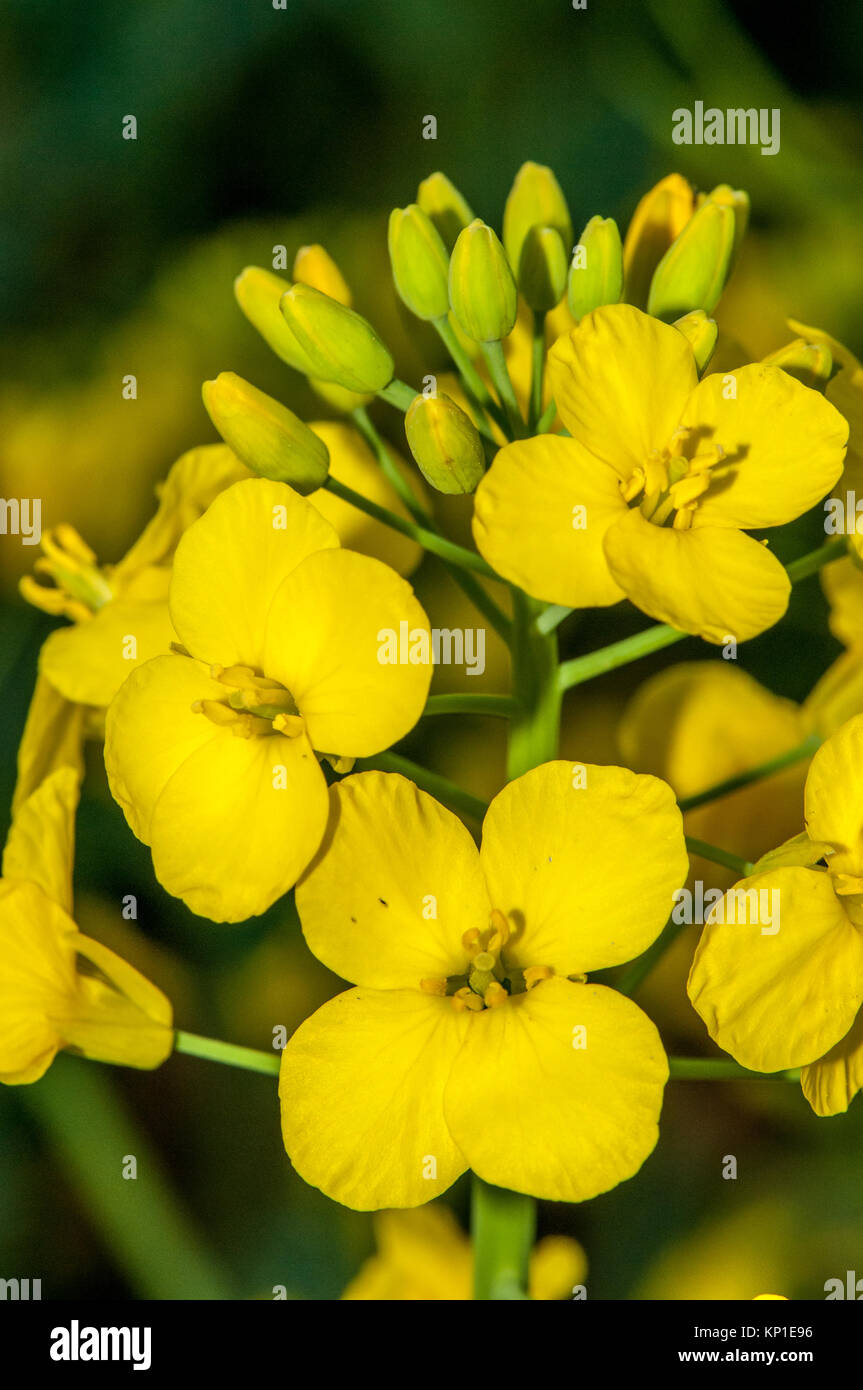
<point x="495" y="995"/>
<point x="466" y="999"/>
<point x="535" y="974"/>
<point x="434" y="985"/>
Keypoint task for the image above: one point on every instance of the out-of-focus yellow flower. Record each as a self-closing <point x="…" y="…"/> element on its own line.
<point x="788" y="995"/>
<point x="58" y="988"/>
<point x="731" y="1257"/>
<point x="648" y="498"/>
<point x="472" y="1038"/>
<point x="425" y="1256"/>
<point x="213" y="753"/>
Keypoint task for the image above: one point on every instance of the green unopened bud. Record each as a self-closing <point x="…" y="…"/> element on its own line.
<point x="420" y="262"/>
<point x="340" y="344"/>
<point x="258" y="293"/>
<point x="268" y="437"/>
<point x="810" y="363"/>
<point x="544" y="265"/>
<point x="482" y="290"/>
<point x="535" y="200"/>
<point x="445" y="443"/>
<point x="314" y="266"/>
<point x="596" y="273"/>
<point x="701" y="334"/>
<point x="738" y="201"/>
<point x="693" y="271"/>
<point x="441" y="201"/>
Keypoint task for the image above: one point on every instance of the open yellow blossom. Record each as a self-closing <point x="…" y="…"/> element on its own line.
<point x="425" y="1256"/>
<point x="790" y="995"/>
<point x="648" y="498"/>
<point x="212" y="751"/>
<point x="473" y="1038"/>
<point x="58" y="988"/>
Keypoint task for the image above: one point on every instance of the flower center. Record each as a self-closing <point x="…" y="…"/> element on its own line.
<point x="255" y="707"/>
<point x="489" y="981"/>
<point x="672" y="480"/>
<point x="80" y="587"/>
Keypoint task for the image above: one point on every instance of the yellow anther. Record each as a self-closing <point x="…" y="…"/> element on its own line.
<point x="535" y="974"/>
<point x="683" y="518"/>
<point x="466" y="999"/>
<point x="235" y="676"/>
<point x="291" y="725"/>
<point x="339" y="765"/>
<point x="216" y="711"/>
<point x="271" y="697"/>
<point x="472" y="941"/>
<point x="500" y="932"/>
<point x="73" y="544"/>
<point x="633" y="486"/>
<point x="178" y="649"/>
<point x="495" y="995"/>
<point x="434" y="985"/>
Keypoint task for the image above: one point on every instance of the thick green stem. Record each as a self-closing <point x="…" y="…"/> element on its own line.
<point x="503" y="1225"/>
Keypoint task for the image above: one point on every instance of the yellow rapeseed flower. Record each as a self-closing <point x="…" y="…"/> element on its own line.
<point x="791" y="997"/>
<point x="212" y="750"/>
<point x="58" y="988"/>
<point x="648" y="498"/>
<point x="472" y="1038"/>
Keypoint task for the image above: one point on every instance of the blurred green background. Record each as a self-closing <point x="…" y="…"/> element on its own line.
<point x="258" y="127"/>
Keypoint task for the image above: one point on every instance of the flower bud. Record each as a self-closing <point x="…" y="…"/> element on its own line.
<point x="701" y="334"/>
<point x="535" y="200"/>
<point x="268" y="437"/>
<point x="738" y="201"/>
<point x="657" y="221"/>
<point x="340" y="344"/>
<point x="810" y="363"/>
<point x="258" y="293"/>
<point x="596" y="273"/>
<point x="693" y="271"/>
<point x="482" y="290"/>
<point x="544" y="264"/>
<point x="445" y="443"/>
<point x="314" y="266"/>
<point x="441" y="201"/>
<point x="419" y="261"/>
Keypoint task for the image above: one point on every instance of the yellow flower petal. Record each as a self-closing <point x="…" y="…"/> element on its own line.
<point x="621" y="381"/>
<point x="324" y="638"/>
<point x="37" y="976"/>
<point x="831" y="1083"/>
<point x="838" y="695"/>
<point x="557" y="1264"/>
<point x="53" y="737"/>
<point x="779" y="999"/>
<point x="714" y="582"/>
<point x="122" y="1018"/>
<point x="353" y="463"/>
<point x="540" y="515"/>
<point x="361" y="1093"/>
<point x="41" y="844"/>
<point x="230" y="563"/>
<point x="151" y="728"/>
<point x="843" y="585"/>
<point x="423" y="1254"/>
<point x="394" y="888"/>
<point x="89" y="661"/>
<point x="554" y="841"/>
<point x="534" y="1113"/>
<point x="834" y="797"/>
<point x="238" y="822"/>
<point x="193" y="481"/>
<point x="785" y="444"/>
